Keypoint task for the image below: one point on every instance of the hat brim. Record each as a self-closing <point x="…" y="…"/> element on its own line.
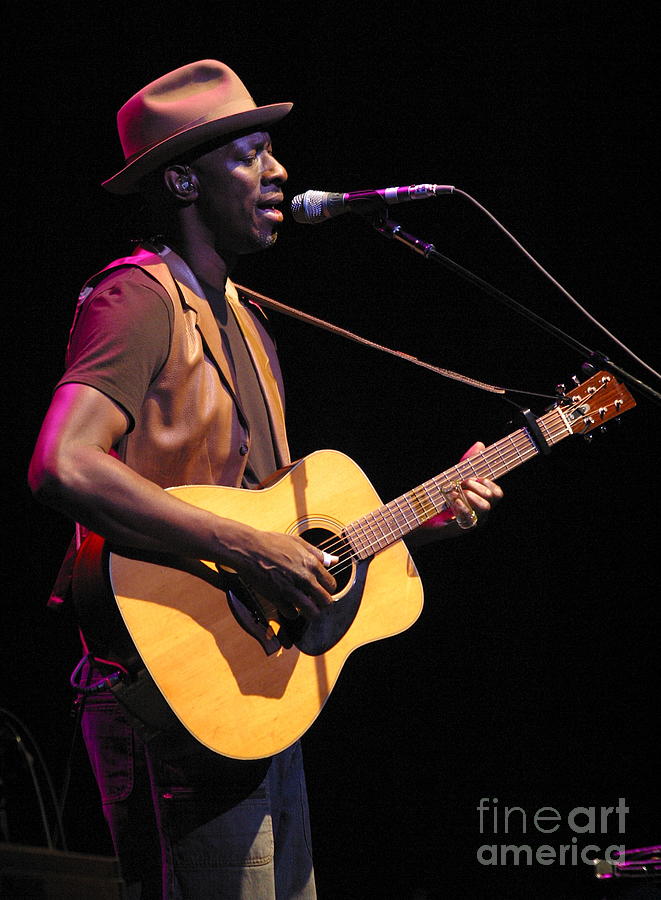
<point x="127" y="180"/>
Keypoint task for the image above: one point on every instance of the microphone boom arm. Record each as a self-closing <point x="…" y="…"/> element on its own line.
<point x="393" y="231"/>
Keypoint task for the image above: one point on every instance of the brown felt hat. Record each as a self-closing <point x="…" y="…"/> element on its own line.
<point x="179" y="111"/>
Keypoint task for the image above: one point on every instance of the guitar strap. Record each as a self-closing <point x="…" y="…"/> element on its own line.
<point x="145" y="705"/>
<point x="136" y="691"/>
<point x="183" y="273"/>
<point x="343" y="332"/>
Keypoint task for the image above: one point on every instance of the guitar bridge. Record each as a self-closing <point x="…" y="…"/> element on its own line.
<point x="248" y="613"/>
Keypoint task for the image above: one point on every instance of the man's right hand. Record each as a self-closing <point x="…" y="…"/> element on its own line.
<point x="286" y="570"/>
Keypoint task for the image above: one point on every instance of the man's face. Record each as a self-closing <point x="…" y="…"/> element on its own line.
<point x="240" y="190"/>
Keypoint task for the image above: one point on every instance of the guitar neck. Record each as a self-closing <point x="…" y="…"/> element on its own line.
<point x="395" y="520"/>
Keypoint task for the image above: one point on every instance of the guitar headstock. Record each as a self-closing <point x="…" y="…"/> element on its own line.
<point x="595" y="401"/>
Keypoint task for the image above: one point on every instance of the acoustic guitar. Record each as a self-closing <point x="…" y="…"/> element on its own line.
<point x="244" y="680"/>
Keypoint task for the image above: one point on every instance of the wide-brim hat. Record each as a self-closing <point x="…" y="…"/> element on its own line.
<point x="182" y="110"/>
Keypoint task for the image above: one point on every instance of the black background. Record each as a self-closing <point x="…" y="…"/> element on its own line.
<point x="532" y="674"/>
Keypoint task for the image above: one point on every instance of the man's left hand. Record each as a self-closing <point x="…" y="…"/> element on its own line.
<point x="481" y="494"/>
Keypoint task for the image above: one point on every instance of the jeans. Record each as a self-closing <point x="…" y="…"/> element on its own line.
<point x="188" y="824"/>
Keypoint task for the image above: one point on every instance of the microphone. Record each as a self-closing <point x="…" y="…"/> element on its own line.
<point x="316" y="206"/>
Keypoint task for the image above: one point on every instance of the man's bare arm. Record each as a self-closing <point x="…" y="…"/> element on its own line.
<point x="72" y="470"/>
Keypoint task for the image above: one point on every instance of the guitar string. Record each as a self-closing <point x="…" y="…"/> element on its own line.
<point x="399" y="516"/>
<point x="362" y="527"/>
<point x="481" y="466"/>
<point x="556" y="428"/>
<point x="518" y="448"/>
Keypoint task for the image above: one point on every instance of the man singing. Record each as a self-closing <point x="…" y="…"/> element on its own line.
<point x="172" y="378"/>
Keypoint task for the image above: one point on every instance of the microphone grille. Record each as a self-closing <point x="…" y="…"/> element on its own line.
<point x="308" y="207"/>
<point x="297" y="206"/>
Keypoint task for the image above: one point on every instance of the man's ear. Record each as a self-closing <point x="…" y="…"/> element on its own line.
<point x="182" y="183"/>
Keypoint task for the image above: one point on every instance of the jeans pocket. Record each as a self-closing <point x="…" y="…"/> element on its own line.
<point x="239" y="837"/>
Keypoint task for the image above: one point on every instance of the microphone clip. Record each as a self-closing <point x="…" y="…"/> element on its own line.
<point x="394" y="232"/>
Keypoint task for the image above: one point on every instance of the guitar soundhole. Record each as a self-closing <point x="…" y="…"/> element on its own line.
<point x="335" y="544"/>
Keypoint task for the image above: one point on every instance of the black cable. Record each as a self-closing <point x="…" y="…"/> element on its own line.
<point x="20" y="730"/>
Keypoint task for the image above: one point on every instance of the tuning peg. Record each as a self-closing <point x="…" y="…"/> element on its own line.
<point x="587" y="438"/>
<point x="576" y="380"/>
<point x="603" y="429"/>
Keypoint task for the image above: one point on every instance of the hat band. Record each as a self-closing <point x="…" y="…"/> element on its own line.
<point x="145" y="149"/>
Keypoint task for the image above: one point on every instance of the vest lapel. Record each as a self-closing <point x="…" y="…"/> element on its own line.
<point x="194" y="298"/>
<point x="176" y="277"/>
<point x="267" y="380"/>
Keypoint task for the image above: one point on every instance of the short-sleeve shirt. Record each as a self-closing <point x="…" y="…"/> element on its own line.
<point x="121" y="340"/>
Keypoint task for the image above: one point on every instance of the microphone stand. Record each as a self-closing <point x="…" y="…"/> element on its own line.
<point x="595" y="358"/>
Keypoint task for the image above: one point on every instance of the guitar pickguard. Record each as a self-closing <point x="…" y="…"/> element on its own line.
<point x="325" y="631"/>
<point x="312" y="637"/>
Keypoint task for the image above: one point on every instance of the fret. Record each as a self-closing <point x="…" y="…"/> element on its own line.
<point x="419" y="495"/>
<point x="531" y="443"/>
<point x="503" y="462"/>
<point x="356" y="540"/>
<point x="389" y="518"/>
<point x="513" y="443"/>
<point x="378" y="536"/>
<point x="435" y="484"/>
<point x="493" y="473"/>
<point x="425" y="486"/>
<point x="400" y="515"/>
<point x="405" y="499"/>
<point x="543" y="427"/>
<point x="382" y="527"/>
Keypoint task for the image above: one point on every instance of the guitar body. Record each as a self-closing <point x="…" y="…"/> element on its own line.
<point x="244" y="689"/>
<point x="243" y="681"/>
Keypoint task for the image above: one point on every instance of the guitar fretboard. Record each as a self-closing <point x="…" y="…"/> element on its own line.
<point x="393" y="521"/>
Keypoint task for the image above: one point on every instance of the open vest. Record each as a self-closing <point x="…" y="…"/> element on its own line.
<point x="191" y="429"/>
